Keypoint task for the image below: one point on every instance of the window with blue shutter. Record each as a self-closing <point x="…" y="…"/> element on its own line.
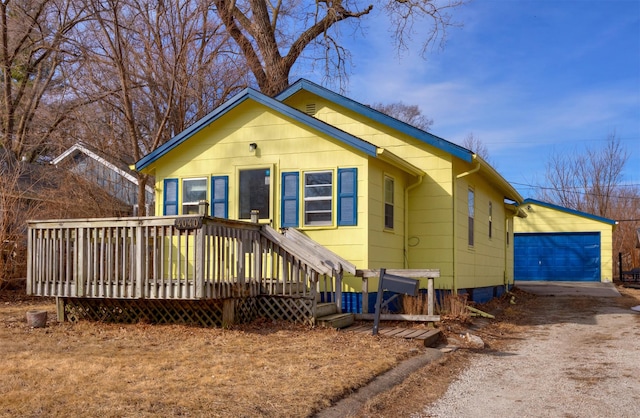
<point x="220" y="196"/>
<point x="347" y="196"/>
<point x="290" y="200"/>
<point x="170" y="202"/>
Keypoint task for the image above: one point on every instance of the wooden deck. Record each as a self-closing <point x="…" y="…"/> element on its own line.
<point x="125" y="261"/>
<point x="102" y="268"/>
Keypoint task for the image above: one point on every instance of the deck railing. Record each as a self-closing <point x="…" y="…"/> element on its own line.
<point x="182" y="257"/>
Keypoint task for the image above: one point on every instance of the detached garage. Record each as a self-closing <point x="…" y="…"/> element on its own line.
<point x="553" y="243"/>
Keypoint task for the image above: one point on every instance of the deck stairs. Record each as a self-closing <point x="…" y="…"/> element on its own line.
<point x="327" y="316"/>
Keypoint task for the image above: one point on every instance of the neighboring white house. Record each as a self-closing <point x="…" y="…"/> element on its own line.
<point x="110" y="174"/>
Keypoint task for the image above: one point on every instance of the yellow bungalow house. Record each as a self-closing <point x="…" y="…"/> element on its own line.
<point x="553" y="243"/>
<point x="376" y="191"/>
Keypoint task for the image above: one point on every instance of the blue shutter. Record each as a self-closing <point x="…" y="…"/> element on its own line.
<point x="170" y="201"/>
<point x="220" y="196"/>
<point x="289" y="208"/>
<point x="347" y="196"/>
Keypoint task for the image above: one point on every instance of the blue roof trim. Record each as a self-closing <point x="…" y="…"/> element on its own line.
<point x="453" y="149"/>
<point x="276" y="105"/>
<point x="571" y="211"/>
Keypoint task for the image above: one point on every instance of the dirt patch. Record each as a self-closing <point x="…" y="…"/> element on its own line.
<point x="578" y="357"/>
<point x="472" y="383"/>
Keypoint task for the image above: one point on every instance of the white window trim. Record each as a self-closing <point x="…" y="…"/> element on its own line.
<point x="330" y="198"/>
<point x="190" y="203"/>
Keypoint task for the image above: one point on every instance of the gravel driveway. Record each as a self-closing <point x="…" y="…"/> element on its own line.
<point x="581" y="359"/>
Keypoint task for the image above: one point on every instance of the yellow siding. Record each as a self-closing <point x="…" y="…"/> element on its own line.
<point x="430" y="243"/>
<point x="545" y="219"/>
<point x="435" y="235"/>
<point x="430" y="233"/>
<point x="386" y="246"/>
<point x="484" y="263"/>
<point x="283" y="146"/>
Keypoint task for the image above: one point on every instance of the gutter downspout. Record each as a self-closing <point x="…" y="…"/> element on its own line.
<point x="406" y="218"/>
<point x="509" y="227"/>
<point x="455" y="210"/>
<point x="473" y="170"/>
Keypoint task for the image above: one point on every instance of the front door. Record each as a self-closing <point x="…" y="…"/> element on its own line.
<point x="255" y="192"/>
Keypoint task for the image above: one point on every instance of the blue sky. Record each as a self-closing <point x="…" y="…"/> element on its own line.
<point x="527" y="78"/>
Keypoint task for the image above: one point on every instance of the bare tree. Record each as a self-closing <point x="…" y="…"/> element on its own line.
<point x="33" y="46"/>
<point x="626" y="209"/>
<point x="271" y="36"/>
<point x="475" y="144"/>
<point x="410" y="114"/>
<point x="586" y="181"/>
<point x="154" y="67"/>
<point x="592" y="182"/>
<point x="16" y="206"/>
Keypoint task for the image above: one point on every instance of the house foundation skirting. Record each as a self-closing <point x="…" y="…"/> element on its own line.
<point x="484" y="294"/>
<point x="352" y="302"/>
<point x="204" y="312"/>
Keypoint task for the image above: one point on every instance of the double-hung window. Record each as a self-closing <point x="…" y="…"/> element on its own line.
<point x="471" y="201"/>
<point x="318" y="191"/>
<point x="388" y="202"/>
<point x="193" y="191"/>
<point x="318" y="198"/>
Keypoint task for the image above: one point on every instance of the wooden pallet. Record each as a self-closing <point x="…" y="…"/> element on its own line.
<point x="428" y="336"/>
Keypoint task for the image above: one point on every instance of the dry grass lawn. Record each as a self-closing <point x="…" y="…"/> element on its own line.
<point x="262" y="369"/>
<point x="111" y="370"/>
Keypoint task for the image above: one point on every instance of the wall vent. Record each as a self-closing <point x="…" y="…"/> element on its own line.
<point x="310" y="109"/>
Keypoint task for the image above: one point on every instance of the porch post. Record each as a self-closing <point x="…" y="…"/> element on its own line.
<point x="140" y="251"/>
<point x="430" y="296"/>
<point x="365" y="295"/>
<point x="81" y="261"/>
<point x="30" y="260"/>
<point x="200" y="261"/>
<point x="338" y="289"/>
<point x="228" y="312"/>
<point x="60" y="311"/>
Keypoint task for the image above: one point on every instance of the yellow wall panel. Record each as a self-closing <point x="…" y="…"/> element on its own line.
<point x="283" y="146"/>
<point x="484" y="263"/>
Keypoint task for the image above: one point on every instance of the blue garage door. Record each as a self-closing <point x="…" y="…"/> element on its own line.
<point x="557" y="256"/>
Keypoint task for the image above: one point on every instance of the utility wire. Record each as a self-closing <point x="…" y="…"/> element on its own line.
<point x="532" y="186"/>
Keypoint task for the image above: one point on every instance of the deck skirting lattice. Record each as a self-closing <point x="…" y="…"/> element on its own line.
<point x="292" y="309"/>
<point x="193" y="312"/>
<point x="206" y="312"/>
